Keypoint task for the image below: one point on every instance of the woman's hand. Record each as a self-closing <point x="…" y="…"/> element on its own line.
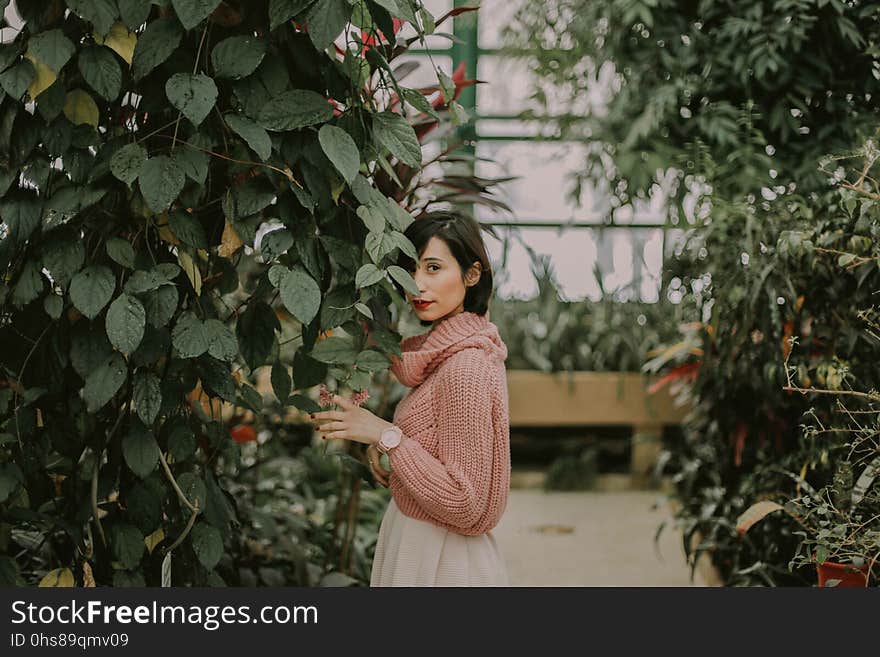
<point x="379" y="473"/>
<point x="350" y="423"/>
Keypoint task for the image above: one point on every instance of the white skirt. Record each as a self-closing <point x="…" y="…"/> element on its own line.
<point x="412" y="552"/>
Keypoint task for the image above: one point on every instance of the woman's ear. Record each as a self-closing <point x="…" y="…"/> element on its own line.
<point x="473" y="274"/>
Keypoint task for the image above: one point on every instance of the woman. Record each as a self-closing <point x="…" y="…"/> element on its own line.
<point x="449" y="445"/>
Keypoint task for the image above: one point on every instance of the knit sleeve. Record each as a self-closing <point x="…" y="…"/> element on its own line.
<point x="458" y="488"/>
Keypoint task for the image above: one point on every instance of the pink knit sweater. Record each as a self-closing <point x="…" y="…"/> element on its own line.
<point x="453" y="466"/>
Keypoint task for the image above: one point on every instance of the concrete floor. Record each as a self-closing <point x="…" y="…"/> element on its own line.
<point x="590" y="539"/>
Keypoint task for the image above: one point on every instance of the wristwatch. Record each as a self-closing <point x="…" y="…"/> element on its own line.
<point x="389" y="439"/>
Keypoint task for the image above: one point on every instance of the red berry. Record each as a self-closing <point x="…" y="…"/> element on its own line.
<point x="243" y="433"/>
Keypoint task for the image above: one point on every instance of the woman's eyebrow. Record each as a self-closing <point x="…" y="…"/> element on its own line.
<point x="432" y="258"/>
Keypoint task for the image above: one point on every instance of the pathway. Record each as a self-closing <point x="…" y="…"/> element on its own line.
<point x="590" y="539"/>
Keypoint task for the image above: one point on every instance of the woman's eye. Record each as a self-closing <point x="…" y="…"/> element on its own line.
<point x="435" y="266"/>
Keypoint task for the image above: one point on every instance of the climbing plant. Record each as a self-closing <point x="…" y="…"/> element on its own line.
<point x="144" y="146"/>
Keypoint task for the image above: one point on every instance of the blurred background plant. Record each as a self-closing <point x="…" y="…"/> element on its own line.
<point x="724" y="118"/>
<point x="549" y="334"/>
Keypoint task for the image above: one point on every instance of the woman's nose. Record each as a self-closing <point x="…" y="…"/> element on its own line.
<point x="418" y="277"/>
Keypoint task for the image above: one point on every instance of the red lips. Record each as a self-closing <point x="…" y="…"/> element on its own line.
<point x="421" y="305"/>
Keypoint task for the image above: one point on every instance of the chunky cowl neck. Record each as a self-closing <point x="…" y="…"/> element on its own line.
<point x="423" y="353"/>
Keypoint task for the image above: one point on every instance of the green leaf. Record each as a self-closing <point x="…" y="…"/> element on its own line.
<point x="292" y="110"/>
<point x="80" y="108"/>
<point x="192" y="486"/>
<point x="218" y="510"/>
<point x="194" y="95"/>
<point x="280" y="381"/>
<point x="11" y="478"/>
<point x="29" y="286"/>
<point x="429" y="24"/>
<point x="238" y="56"/>
<point x="418" y="101"/>
<point x="255" y="331"/>
<point x="189" y="336"/>
<point x="167" y="270"/>
<point x="250" y="198"/>
<point x="447" y="86"/>
<point x="17" y="79"/>
<point x="63" y="259"/>
<point x="127" y="162"/>
<point x="91" y="290"/>
<point x="300" y="295"/>
<point x="206" y="540"/>
<point x="250" y="398"/>
<point x="128" y="544"/>
<point x="281" y="11"/>
<point x="155" y="45"/>
<point x="104" y="382"/>
<point x="193" y="12"/>
<point x="394" y="133"/>
<point x="161" y="179"/>
<point x="403" y="243"/>
<point x="368" y="275"/>
<point x="865" y="481"/>
<point x="305" y="404"/>
<point x="255" y="136"/>
<point x="221" y="340"/>
<point x="134" y="13"/>
<point x="193" y="162"/>
<point x="216" y="378"/>
<point x="372" y="361"/>
<point x="182" y="445"/>
<point x="9" y="52"/>
<point x="341" y="150"/>
<point x="361" y="189"/>
<point x="147" y="394"/>
<point x="335" y="351"/>
<point x="307" y="371"/>
<point x="52" y="48"/>
<point x="144" y="281"/>
<point x="188" y="229"/>
<point x="275" y="243"/>
<point x="89" y="348"/>
<point x="326" y="20"/>
<point x="120" y="251"/>
<point x="125" y="323"/>
<point x="100" y="69"/>
<point x="22" y="216"/>
<point x="398" y="9"/>
<point x="53" y="304"/>
<point x="403" y="277"/>
<point x="372" y="218"/>
<point x="364" y="310"/>
<point x="160" y="305"/>
<point x="140" y="450"/>
<point x="100" y="13"/>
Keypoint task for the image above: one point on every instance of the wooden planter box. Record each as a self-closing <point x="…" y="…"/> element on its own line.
<point x="558" y="399"/>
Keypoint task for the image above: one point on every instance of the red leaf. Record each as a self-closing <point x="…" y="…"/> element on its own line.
<point x="686" y="372"/>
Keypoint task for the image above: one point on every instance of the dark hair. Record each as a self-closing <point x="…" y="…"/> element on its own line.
<point x="462" y="235"/>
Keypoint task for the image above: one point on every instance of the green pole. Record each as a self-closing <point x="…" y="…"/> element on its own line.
<point x="464" y="27"/>
<point x="466" y="49"/>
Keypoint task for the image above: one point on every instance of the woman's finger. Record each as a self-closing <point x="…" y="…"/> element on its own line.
<point x="333" y="426"/>
<point x="343" y="402"/>
<point x="378" y="474"/>
<point x="327" y="415"/>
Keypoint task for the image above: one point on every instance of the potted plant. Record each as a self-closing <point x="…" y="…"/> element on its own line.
<point x="839" y="523"/>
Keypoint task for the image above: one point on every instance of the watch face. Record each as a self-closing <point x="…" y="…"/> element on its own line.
<point x="390" y="438"/>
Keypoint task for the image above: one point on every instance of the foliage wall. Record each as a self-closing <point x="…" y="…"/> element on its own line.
<point x="142" y="145"/>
